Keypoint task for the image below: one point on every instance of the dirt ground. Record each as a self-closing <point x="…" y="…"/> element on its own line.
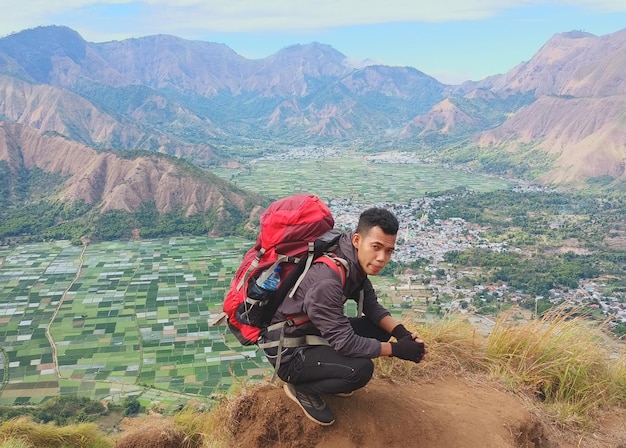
<point x="443" y="413"/>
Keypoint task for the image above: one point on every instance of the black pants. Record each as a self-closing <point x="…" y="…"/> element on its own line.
<point x="319" y="369"/>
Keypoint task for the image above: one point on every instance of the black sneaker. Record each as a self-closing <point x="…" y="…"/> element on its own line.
<point x="344" y="394"/>
<point x="313" y="405"/>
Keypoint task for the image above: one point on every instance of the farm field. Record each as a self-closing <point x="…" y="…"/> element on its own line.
<point x="354" y="178"/>
<point x="138" y="316"/>
<point x="135" y="320"/>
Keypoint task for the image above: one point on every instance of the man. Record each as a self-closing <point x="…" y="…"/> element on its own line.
<point x="342" y="362"/>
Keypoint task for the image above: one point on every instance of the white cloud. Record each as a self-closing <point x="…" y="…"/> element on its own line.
<point x="251" y="15"/>
<point x="183" y="17"/>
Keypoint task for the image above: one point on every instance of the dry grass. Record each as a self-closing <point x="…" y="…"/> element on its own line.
<point x="24" y="433"/>
<point x="190" y="428"/>
<point x="453" y="347"/>
<point x="161" y="433"/>
<point x="14" y="443"/>
<point x="562" y="361"/>
<point x="204" y="429"/>
<point x="193" y="427"/>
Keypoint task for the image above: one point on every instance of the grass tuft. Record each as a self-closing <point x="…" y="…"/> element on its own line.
<point x="14" y="443"/>
<point x="563" y="363"/>
<point x="453" y="347"/>
<point x="203" y="429"/>
<point x="22" y="432"/>
<point x="561" y="360"/>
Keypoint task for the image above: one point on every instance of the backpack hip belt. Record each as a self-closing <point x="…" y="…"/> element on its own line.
<point x="290" y="341"/>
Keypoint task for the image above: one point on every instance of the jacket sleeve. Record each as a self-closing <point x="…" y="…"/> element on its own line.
<point x="323" y="303"/>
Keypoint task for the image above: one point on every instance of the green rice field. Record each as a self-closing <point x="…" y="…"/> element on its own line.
<point x="123" y="317"/>
<point x="354" y="178"/>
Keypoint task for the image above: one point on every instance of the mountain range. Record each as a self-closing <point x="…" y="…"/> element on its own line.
<point x="556" y="118"/>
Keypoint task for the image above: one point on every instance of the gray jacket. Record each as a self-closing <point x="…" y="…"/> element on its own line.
<point x="322" y="299"/>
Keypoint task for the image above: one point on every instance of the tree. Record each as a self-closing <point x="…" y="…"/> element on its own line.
<point x="131" y="406"/>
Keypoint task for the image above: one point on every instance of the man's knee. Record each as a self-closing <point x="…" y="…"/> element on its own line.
<point x="363" y="372"/>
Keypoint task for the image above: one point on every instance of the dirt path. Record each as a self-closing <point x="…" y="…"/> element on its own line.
<point x="450" y="412"/>
<point x="55" y="359"/>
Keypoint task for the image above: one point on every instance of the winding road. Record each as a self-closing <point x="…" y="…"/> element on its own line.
<point x="55" y="359"/>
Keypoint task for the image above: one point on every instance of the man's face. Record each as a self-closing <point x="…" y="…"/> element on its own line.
<point x="374" y="249"/>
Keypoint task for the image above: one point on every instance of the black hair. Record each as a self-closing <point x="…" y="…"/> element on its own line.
<point x="380" y="217"/>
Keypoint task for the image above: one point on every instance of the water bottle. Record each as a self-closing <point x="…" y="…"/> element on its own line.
<point x="271" y="282"/>
<point x="253" y="312"/>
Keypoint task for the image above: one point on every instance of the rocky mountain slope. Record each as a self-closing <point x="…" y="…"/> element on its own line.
<point x="584" y="135"/>
<point x="109" y="181"/>
<point x="202" y="92"/>
<point x="50" y="108"/>
<point x="579" y="81"/>
<point x="204" y="102"/>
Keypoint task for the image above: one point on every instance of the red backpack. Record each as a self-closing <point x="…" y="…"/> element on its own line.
<point x="295" y="232"/>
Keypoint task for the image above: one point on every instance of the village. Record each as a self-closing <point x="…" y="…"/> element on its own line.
<point x="423" y="236"/>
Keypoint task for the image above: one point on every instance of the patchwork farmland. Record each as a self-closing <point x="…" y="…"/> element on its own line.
<point x="354" y="178"/>
<point x="123" y="317"/>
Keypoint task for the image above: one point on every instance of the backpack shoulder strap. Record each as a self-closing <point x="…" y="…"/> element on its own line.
<point x="343" y="269"/>
<point x="339" y="265"/>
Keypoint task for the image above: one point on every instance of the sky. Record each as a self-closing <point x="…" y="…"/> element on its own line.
<point x="450" y="40"/>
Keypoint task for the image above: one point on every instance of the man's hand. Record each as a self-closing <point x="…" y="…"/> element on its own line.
<point x="400" y="332"/>
<point x="408" y="349"/>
